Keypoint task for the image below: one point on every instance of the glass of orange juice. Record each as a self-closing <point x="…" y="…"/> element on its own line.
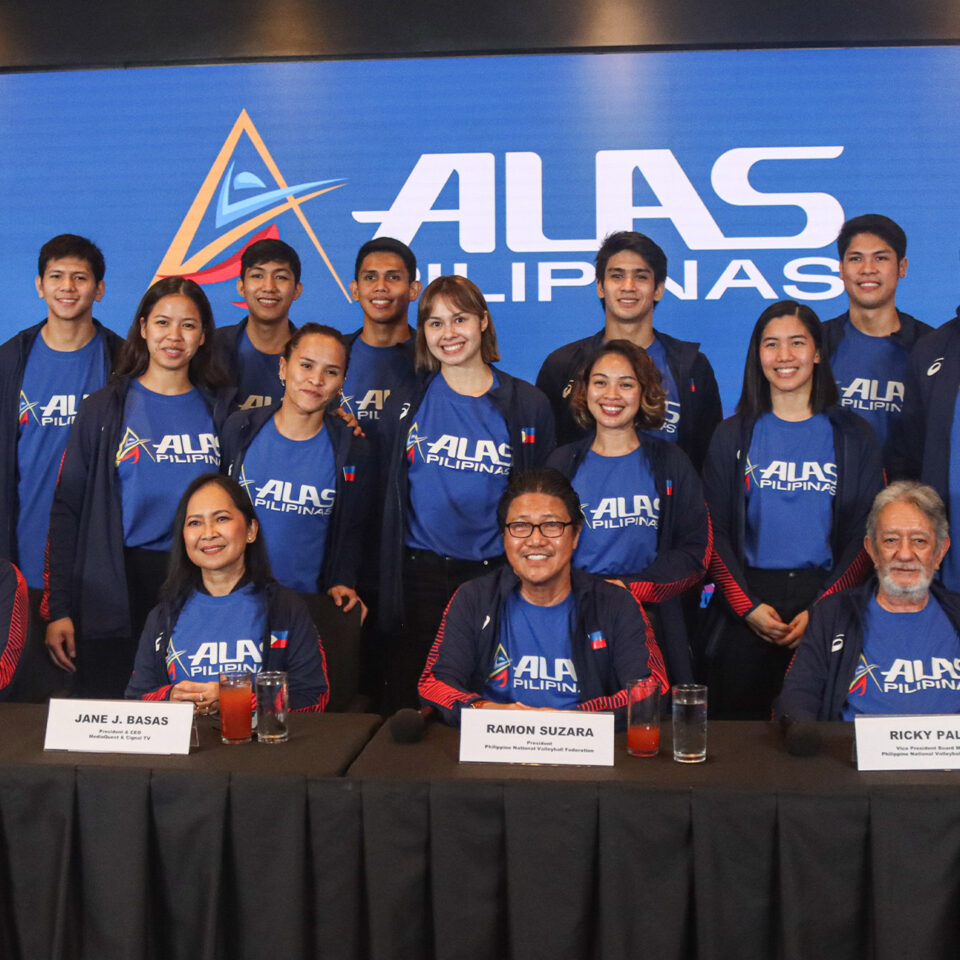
<point x="643" y="718"/>
<point x="236" y="707"/>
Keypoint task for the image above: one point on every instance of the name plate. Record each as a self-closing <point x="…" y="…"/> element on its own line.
<point x="536" y="736"/>
<point x="119" y="726"/>
<point x="918" y="742"/>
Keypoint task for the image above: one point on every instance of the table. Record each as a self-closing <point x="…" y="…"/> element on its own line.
<point x="753" y="854"/>
<point x="116" y="856"/>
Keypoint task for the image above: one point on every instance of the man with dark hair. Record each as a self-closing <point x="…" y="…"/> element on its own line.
<point x="891" y="645"/>
<point x="269" y="281"/>
<point x="45" y="371"/>
<point x="381" y="351"/>
<point x="631" y="277"/>
<point x="538" y="634"/>
<point x="869" y="345"/>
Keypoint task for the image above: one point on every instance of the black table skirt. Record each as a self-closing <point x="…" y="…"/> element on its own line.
<point x="271" y="852"/>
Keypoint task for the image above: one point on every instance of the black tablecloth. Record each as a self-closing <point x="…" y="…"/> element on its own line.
<point x="240" y="851"/>
<point x="270" y="852"/>
<point x="753" y="854"/>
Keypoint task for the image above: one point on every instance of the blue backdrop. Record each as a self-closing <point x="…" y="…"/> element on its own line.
<point x="742" y="165"/>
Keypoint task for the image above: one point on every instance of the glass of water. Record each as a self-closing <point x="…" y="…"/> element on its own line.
<point x="272" y="706"/>
<point x="690" y="723"/>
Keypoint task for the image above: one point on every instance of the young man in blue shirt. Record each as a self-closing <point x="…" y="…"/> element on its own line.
<point x="269" y="282"/>
<point x="870" y="344"/>
<point x="45" y="371"/>
<point x="631" y="278"/>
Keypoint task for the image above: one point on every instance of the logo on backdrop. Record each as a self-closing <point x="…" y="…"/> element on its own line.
<point x="236" y="203"/>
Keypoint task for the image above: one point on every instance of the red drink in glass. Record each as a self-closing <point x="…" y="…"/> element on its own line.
<point x="236" y="705"/>
<point x="643" y="740"/>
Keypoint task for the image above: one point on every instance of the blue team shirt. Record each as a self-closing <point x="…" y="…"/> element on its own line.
<point x="292" y="485"/>
<point x="910" y="664"/>
<point x="950" y="569"/>
<point x="870" y="372"/>
<point x="533" y="662"/>
<point x="671" y="423"/>
<point x="166" y="442"/>
<point x="458" y="451"/>
<point x="374" y="373"/>
<point x="258" y="375"/>
<point x="217" y="634"/>
<point x="621" y="513"/>
<point x="791" y="482"/>
<point x="54" y="383"/>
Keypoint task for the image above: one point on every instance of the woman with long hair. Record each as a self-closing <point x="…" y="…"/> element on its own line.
<point x="450" y="444"/>
<point x="789" y="482"/>
<point x="219" y="573"/>
<point x="134" y="446"/>
<point x="645" y="520"/>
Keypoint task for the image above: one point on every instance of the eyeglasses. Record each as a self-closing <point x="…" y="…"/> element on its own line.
<point x="521" y="529"/>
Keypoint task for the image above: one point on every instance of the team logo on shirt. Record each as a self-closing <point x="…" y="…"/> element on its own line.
<point x="59" y="411"/>
<point x="130" y="447"/>
<point x="367" y="408"/>
<point x="807" y="476"/>
<point x="613" y="512"/>
<point x="212" y="657"/>
<point x="864" y="672"/>
<point x="864" y="394"/>
<point x="283" y="496"/>
<point x="912" y="676"/>
<point x="171" y="448"/>
<point x="499" y="676"/>
<point x="542" y="673"/>
<point x="414" y="444"/>
<point x="459" y="453"/>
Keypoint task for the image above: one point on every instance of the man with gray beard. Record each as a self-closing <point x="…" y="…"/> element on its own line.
<point x="891" y="645"/>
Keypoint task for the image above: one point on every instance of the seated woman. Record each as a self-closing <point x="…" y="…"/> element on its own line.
<point x="537" y="633"/>
<point x="645" y="518"/>
<point x="221" y="610"/>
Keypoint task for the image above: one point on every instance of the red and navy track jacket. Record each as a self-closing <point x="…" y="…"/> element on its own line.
<point x="684" y="541"/>
<point x="609" y="646"/>
<point x="14" y="616"/>
<point x="289" y="642"/>
<point x="859" y="480"/>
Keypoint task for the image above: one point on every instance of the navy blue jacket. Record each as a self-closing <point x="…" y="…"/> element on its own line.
<point x="353" y="502"/>
<point x="14" y="619"/>
<point x="700" y="408"/>
<point x="859" y="480"/>
<point x="300" y="653"/>
<point x="818" y="681"/>
<point x="911" y="330"/>
<point x="518" y="402"/>
<point x="86" y="575"/>
<point x="13" y="363"/>
<point x="684" y="541"/>
<point x="922" y="433"/>
<point x="463" y="652"/>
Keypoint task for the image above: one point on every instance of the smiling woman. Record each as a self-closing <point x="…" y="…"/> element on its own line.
<point x="789" y="481"/>
<point x="453" y="437"/>
<point x="134" y="446"/>
<point x="219" y="573"/>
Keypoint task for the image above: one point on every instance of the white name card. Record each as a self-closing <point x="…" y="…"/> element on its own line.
<point x="536" y="736"/>
<point x="918" y="742"/>
<point x="119" y="726"/>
